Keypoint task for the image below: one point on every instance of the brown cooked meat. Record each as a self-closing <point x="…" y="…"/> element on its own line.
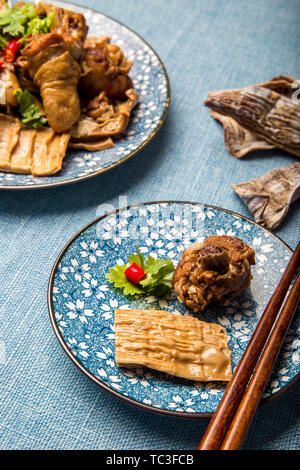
<point x="104" y="68"/>
<point x="79" y="85"/>
<point x="53" y="69"/>
<point x="102" y="119"/>
<point x="215" y="270"/>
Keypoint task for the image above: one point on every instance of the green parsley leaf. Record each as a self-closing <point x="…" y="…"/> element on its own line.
<point x="117" y="277"/>
<point x="159" y="276"/>
<point x="13" y="21"/>
<point x="23" y="21"/>
<point x="139" y="259"/>
<point x="158" y="279"/>
<point x="159" y="268"/>
<point x="31" y="115"/>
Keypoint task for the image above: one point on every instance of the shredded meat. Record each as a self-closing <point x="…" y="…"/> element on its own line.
<point x="215" y="270"/>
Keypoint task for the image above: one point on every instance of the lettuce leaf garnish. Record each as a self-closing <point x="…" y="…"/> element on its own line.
<point x="158" y="279"/>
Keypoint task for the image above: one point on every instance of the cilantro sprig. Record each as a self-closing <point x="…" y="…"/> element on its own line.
<point x="23" y="21"/>
<point x="157" y="280"/>
<point x="13" y="21"/>
<point x="31" y="115"/>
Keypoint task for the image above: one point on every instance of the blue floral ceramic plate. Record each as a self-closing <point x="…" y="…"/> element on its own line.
<point x="151" y="82"/>
<point x="82" y="302"/>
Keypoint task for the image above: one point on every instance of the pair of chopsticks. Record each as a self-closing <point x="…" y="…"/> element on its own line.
<point x="229" y="424"/>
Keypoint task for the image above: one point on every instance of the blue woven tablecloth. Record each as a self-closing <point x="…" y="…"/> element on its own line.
<point x="45" y="402"/>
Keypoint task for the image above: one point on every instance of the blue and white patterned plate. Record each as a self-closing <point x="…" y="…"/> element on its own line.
<point x="151" y="82"/>
<point x="82" y="302"/>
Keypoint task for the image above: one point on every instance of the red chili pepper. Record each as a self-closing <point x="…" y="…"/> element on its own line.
<point x="134" y="273"/>
<point x="1" y="64"/>
<point x="11" y="51"/>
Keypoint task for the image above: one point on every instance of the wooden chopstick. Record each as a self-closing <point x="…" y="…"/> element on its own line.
<point x="236" y="433"/>
<point x="222" y="418"/>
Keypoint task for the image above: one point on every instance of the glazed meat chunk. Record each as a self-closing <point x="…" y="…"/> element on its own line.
<point x="215" y="270"/>
<point x="104" y="68"/>
<point x="50" y="64"/>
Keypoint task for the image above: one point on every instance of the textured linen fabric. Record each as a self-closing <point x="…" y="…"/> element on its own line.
<point x="45" y="401"/>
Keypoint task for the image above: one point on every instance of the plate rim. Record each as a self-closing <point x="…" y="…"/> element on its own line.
<point x="85" y="371"/>
<point x="155" y="131"/>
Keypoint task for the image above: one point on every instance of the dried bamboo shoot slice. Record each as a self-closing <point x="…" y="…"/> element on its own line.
<point x="49" y="151"/>
<point x="238" y="140"/>
<point x="268" y="111"/>
<point x="9" y="134"/>
<point x="182" y="346"/>
<point x="21" y="157"/>
<point x="269" y="197"/>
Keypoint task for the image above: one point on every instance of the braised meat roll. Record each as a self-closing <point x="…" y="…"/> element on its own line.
<point x="215" y="270"/>
<point x="49" y="62"/>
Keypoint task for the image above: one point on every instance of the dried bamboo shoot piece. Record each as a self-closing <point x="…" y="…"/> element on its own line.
<point x="266" y="112"/>
<point x="9" y="134"/>
<point x="238" y="140"/>
<point x="103" y="143"/>
<point x="39" y="152"/>
<point x="178" y="345"/>
<point x="49" y="151"/>
<point x="21" y="157"/>
<point x="269" y="197"/>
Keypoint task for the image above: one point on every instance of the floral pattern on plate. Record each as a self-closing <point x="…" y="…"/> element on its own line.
<point x="150" y="81"/>
<point x="82" y="302"/>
